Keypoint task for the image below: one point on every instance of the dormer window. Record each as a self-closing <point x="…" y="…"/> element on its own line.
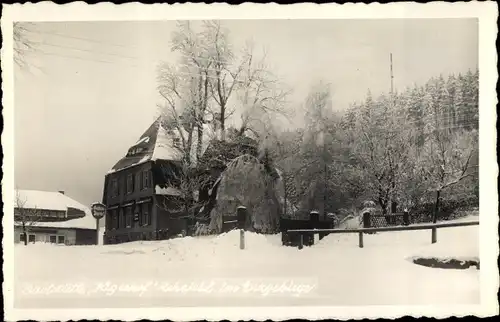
<point x="177" y="142"/>
<point x="135" y="151"/>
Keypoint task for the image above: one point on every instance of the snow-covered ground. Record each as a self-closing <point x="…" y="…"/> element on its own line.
<point x="205" y="271"/>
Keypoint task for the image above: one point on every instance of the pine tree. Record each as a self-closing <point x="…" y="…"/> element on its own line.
<point x="442" y="104"/>
<point x="451" y="85"/>
<point x="459" y="100"/>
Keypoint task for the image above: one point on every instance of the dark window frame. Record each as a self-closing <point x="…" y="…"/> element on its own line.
<point x="59" y="239"/>
<point x="129" y="183"/>
<point x="145" y="179"/>
<point x="146" y="215"/>
<point x="138" y="181"/>
<point x="128" y="217"/>
<point x="115" y="190"/>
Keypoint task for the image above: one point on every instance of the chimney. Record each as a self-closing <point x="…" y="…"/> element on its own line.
<point x="61" y="191"/>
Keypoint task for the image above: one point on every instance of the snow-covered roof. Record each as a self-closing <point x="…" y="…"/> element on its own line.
<point x="157" y="143"/>
<point x="168" y="191"/>
<point x="47" y="200"/>
<point x="51" y="200"/>
<point x="164" y="148"/>
<point x="87" y="222"/>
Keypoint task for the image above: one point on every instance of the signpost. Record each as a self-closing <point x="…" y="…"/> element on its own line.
<point x="98" y="211"/>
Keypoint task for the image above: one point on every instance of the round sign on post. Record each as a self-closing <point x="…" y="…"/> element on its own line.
<point x="98" y="211"/>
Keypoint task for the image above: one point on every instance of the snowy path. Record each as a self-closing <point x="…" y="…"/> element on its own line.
<point x="333" y="272"/>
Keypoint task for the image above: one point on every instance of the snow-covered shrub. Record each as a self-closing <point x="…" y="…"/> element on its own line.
<point x="201" y="229"/>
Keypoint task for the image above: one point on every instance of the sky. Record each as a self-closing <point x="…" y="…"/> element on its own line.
<point x="91" y="90"/>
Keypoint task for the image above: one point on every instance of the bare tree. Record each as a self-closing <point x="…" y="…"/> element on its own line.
<point x="446" y="160"/>
<point x="225" y="71"/>
<point x="26" y="217"/>
<point x="178" y="112"/>
<point x="381" y="141"/>
<point x="23" y="45"/>
<point x="196" y="64"/>
<point x="262" y="96"/>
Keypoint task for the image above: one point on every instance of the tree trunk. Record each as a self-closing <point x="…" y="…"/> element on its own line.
<point x="223" y="123"/>
<point x="285" y="195"/>
<point x="25" y="235"/>
<point x="436" y="208"/>
<point x="199" y="144"/>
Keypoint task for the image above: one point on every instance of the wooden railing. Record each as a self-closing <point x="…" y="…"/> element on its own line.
<point x="361" y="231"/>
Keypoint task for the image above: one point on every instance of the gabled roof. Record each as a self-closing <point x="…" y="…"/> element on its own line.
<point x="47" y="200"/>
<point x="51" y="200"/>
<point x="157" y="143"/>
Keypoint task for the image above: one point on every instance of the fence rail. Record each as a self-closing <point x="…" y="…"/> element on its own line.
<point x="360" y="231"/>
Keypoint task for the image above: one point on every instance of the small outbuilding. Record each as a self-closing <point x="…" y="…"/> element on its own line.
<point x="52" y="217"/>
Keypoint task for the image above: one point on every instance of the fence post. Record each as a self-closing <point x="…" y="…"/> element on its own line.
<point x="366" y="220"/>
<point x="241" y="214"/>
<point x="314" y="223"/>
<point x="406" y="218"/>
<point x="242" y="239"/>
<point x="361" y="240"/>
<point x="301" y="241"/>
<point x="434" y="235"/>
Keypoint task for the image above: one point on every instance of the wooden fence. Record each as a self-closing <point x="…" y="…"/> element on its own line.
<point x="360" y="231"/>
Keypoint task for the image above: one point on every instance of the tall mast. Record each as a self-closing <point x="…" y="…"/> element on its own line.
<point x="392" y="78"/>
<point x="392" y="203"/>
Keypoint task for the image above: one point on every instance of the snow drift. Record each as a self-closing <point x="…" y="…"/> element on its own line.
<point x="335" y="271"/>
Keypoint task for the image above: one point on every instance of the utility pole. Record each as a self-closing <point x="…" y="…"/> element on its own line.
<point x="392" y="79"/>
<point x="392" y="203"/>
<point x="325" y="179"/>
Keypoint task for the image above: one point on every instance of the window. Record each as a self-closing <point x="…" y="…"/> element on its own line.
<point x="121" y="218"/>
<point x="60" y="239"/>
<point x="138" y="181"/>
<point x="177" y="142"/>
<point x="114" y="188"/>
<point x="128" y="217"/>
<point x="114" y="223"/>
<point x="112" y="219"/>
<point x="122" y="187"/>
<point x="31" y="238"/>
<point x="130" y="183"/>
<point x="52" y="239"/>
<point x="109" y="215"/>
<point x="21" y="237"/>
<point x="138" y="211"/>
<point x="146" y="216"/>
<point x="145" y="179"/>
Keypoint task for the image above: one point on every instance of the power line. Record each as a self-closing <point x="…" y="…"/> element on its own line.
<point x="86" y="50"/>
<point x="79" y="38"/>
<point x="143" y="60"/>
<point x="130" y="65"/>
<point x="75" y="57"/>
<point x="123" y="46"/>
